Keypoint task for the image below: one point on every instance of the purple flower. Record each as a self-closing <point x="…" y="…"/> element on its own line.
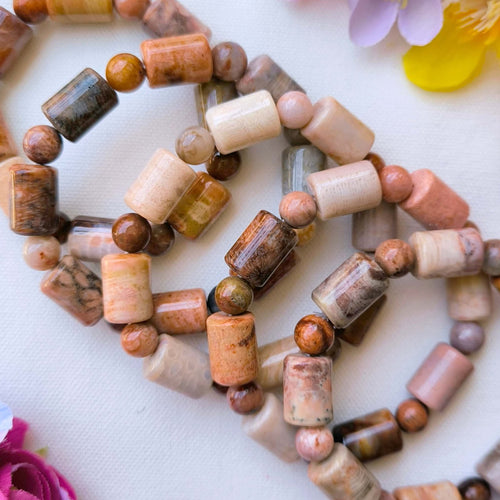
<point x="419" y="21"/>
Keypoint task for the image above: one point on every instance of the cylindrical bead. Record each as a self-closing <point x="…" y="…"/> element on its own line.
<point x="179" y="367"/>
<point x="469" y="297"/>
<point x="489" y="468"/>
<point x="491" y="263"/>
<point x="345" y="190"/>
<point x="351" y="289"/>
<point x="297" y="162"/>
<point x="5" y="181"/>
<point x="287" y="264"/>
<point x="7" y="145"/>
<point x="440" y="376"/>
<point x="126" y="285"/>
<point x="244" y="121"/>
<point x="211" y="94"/>
<point x="437" y="491"/>
<point x="14" y="35"/>
<point x="80" y="11"/>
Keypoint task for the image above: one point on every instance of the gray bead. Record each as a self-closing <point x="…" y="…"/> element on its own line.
<point x="297" y="163"/>
<point x="466" y="336"/>
<point x="491" y="263"/>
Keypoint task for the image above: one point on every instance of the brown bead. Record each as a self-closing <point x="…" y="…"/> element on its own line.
<point x="396" y="183"/>
<point x="298" y="209"/>
<point x="376" y="160"/>
<point x="233" y="295"/>
<point x="125" y="72"/>
<point x="474" y="488"/>
<point x="491" y="263"/>
<point x="395" y="257"/>
<point x="31" y="11"/>
<point x="194" y="145"/>
<point x="63" y="228"/>
<point x="412" y="415"/>
<point x="139" y="339"/>
<point x="42" y="144"/>
<point x="131" y="232"/>
<point x="162" y="238"/>
<point x="222" y="389"/>
<point x="131" y="9"/>
<point x="223" y="167"/>
<point x="244" y="399"/>
<point x="230" y="61"/>
<point x="314" y="334"/>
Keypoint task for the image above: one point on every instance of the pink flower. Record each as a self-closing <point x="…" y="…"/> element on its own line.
<point x="419" y="21"/>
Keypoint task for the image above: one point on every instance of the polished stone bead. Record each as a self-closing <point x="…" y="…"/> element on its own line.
<point x="491" y="263"/>
<point x="314" y="443"/>
<point x="395" y="257"/>
<point x="386" y="496"/>
<point x="230" y="61"/>
<point x="438" y="491"/>
<point x="314" y="334"/>
<point x="14" y="35"/>
<point x="335" y="351"/>
<point x="298" y="209"/>
<point x="31" y="11"/>
<point x="223" y="167"/>
<point x="305" y="234"/>
<point x="8" y="147"/>
<point x="247" y="398"/>
<point x="412" y="416"/>
<point x="80" y="104"/>
<point x="474" y="489"/>
<point x="396" y="183"/>
<point x="469" y="297"/>
<point x="75" y="288"/>
<point x="297" y="162"/>
<point x="233" y="295"/>
<point x="5" y="181"/>
<point x="125" y="72"/>
<point x="131" y="9"/>
<point x="211" y="94"/>
<point x="376" y="160"/>
<point x="195" y="145"/>
<point x="139" y="339"/>
<point x="63" y="228"/>
<point x="42" y="144"/>
<point x="289" y="262"/>
<point x="295" y="109"/>
<point x="162" y="239"/>
<point x="211" y="304"/>
<point x="489" y="468"/>
<point x="80" y="11"/>
<point x="467" y="336"/>
<point x="131" y="232"/>
<point x="41" y="252"/>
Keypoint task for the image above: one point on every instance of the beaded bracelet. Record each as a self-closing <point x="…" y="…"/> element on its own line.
<point x="319" y="197"/>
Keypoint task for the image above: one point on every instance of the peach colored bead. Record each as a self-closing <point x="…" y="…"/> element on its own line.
<point x="438" y="491"/>
<point x="195" y="145"/>
<point x="131" y="9"/>
<point x="298" y="209"/>
<point x="5" y="181"/>
<point x="314" y="443"/>
<point x="139" y="339"/>
<point x="7" y="145"/>
<point x="396" y="183"/>
<point x="395" y="257"/>
<point x="295" y="109"/>
<point x="125" y="72"/>
<point x="31" y="11"/>
<point x="41" y="252"/>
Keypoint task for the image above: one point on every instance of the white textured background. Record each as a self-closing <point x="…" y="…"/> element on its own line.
<point x="116" y="435"/>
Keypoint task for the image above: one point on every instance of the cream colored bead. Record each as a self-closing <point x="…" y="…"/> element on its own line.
<point x="5" y="181"/>
<point x="242" y="122"/>
<point x="41" y="252"/>
<point x="80" y="11"/>
<point x="438" y="491"/>
<point x="160" y="186"/>
<point x="345" y="190"/>
<point x="469" y="297"/>
<point x="338" y="133"/>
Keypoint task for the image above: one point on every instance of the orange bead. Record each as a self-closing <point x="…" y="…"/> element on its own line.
<point x="139" y="339"/>
<point x="125" y="72"/>
<point x="31" y="11"/>
<point x="314" y="334"/>
<point x="376" y="160"/>
<point x="396" y="183"/>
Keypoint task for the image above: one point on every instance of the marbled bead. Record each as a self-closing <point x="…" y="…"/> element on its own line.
<point x="42" y="144"/>
<point x="33" y="200"/>
<point x="261" y="248"/>
<point x="14" y="35"/>
<point x="162" y="239"/>
<point x="31" y="11"/>
<point x="297" y="162"/>
<point x="125" y="72"/>
<point x="5" y="181"/>
<point x="223" y="167"/>
<point x="412" y="416"/>
<point x="395" y="257"/>
<point x="305" y="234"/>
<point x="131" y="9"/>
<point x="467" y="336"/>
<point x="314" y="334"/>
<point x="63" y="228"/>
<point x="247" y="398"/>
<point x="178" y="367"/>
<point x="175" y="60"/>
<point x="230" y="61"/>
<point x="298" y="209"/>
<point x="139" y="339"/>
<point x="75" y="288"/>
<point x="295" y="109"/>
<point x="351" y="289"/>
<point x="370" y="436"/>
<point x="211" y="94"/>
<point x="491" y="263"/>
<point x="376" y="160"/>
<point x="489" y="467"/>
<point x="194" y="145"/>
<point x="314" y="443"/>
<point x="126" y="286"/>
<point x="233" y="295"/>
<point x="437" y="491"/>
<point x="286" y="265"/>
<point x="131" y="232"/>
<point x="396" y="183"/>
<point x="8" y="147"/>
<point x="180" y="312"/>
<point x="80" y="11"/>
<point x="41" y="252"/>
<point x="80" y="104"/>
<point x="474" y="488"/>
<point x="469" y="297"/>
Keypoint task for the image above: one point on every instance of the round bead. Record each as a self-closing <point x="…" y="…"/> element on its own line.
<point x="139" y="339"/>
<point x="31" y="11"/>
<point x="305" y="234"/>
<point x="298" y="209"/>
<point x="195" y="145"/>
<point x="314" y="334"/>
<point x="63" y="228"/>
<point x="244" y="399"/>
<point x="125" y="72"/>
<point x="412" y="415"/>
<point x="42" y="144"/>
<point x="233" y="295"/>
<point x="376" y="160"/>
<point x="396" y="183"/>
<point x="211" y="304"/>
<point x="41" y="252"/>
<point x="314" y="443"/>
<point x="295" y="109"/>
<point x="230" y="61"/>
<point x="131" y="232"/>
<point x="474" y="488"/>
<point x="131" y="9"/>
<point x="162" y="238"/>
<point x="467" y="336"/>
<point x="395" y="257"/>
<point x="491" y="263"/>
<point x="223" y="167"/>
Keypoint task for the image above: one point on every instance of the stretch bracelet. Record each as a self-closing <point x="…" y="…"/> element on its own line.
<point x="169" y="190"/>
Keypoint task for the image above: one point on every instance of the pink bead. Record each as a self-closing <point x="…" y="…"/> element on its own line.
<point x="298" y="209"/>
<point x="314" y="443"/>
<point x="295" y="109"/>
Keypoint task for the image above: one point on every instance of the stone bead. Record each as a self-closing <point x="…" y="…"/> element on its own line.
<point x="335" y="350"/>
<point x="438" y="491"/>
<point x="211" y="304"/>
<point x="42" y="144"/>
<point x="126" y="288"/>
<point x="491" y="263"/>
<point x="168" y="18"/>
<point x="80" y="104"/>
<point x="495" y="281"/>
<point x="305" y="234"/>
<point x="371" y="227"/>
<point x="178" y="367"/>
<point x="440" y="376"/>
<point x="41" y="252"/>
<point x="247" y="398"/>
<point x="469" y="298"/>
<point x="343" y="477"/>
<point x="351" y="289"/>
<point x="474" y="489"/>
<point x="434" y="204"/>
<point x="448" y="253"/>
<point x="233" y="295"/>
<point x="261" y="248"/>
<point x="371" y="436"/>
<point x="307" y="390"/>
<point x="180" y="312"/>
<point x="199" y="207"/>
<point x="386" y="496"/>
<point x="33" y="200"/>
<point x="223" y="167"/>
<point x="286" y="265"/>
<point x="314" y="334"/>
<point x="244" y="121"/>
<point x="294" y="137"/>
<point x="90" y="238"/>
<point x="131" y="9"/>
<point x="295" y="109"/>
<point x="8" y="147"/>
<point x="125" y="72"/>
<point x="177" y="59"/>
<point x="298" y="209"/>
<point x="14" y="35"/>
<point x="395" y="257"/>
<point x="376" y="160"/>
<point x="211" y="94"/>
<point x="139" y="339"/>
<point x="268" y="428"/>
<point x="160" y="186"/>
<point x="80" y="11"/>
<point x="338" y="133"/>
<point x="230" y="61"/>
<point x="5" y="181"/>
<point x="412" y="416"/>
<point x="314" y="443"/>
<point x="31" y="11"/>
<point x="162" y="239"/>
<point x="345" y="190"/>
<point x="194" y="145"/>
<point x="131" y="232"/>
<point x="263" y="73"/>
<point x="396" y="183"/>
<point x="75" y="288"/>
<point x="63" y="228"/>
<point x="467" y="336"/>
<point x="297" y="162"/>
<point x="489" y="468"/>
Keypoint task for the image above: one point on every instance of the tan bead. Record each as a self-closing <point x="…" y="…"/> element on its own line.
<point x="5" y="181"/>
<point x="41" y="252"/>
<point x="125" y="72"/>
<point x="396" y="183"/>
<point x="314" y="334"/>
<point x="7" y="145"/>
<point x="437" y="491"/>
<point x="469" y="298"/>
<point x="31" y="11"/>
<point x="298" y="209"/>
<point x="230" y="61"/>
<point x="195" y="145"/>
<point x="42" y="144"/>
<point x="295" y="109"/>
<point x="139" y="339"/>
<point x="412" y="416"/>
<point x="314" y="443"/>
<point x="305" y="234"/>
<point x="80" y="11"/>
<point x="131" y="9"/>
<point x="395" y="257"/>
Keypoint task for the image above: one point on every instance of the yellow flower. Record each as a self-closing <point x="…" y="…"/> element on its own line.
<point x="456" y="55"/>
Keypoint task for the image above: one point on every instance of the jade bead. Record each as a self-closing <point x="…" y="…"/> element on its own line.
<point x="233" y="295"/>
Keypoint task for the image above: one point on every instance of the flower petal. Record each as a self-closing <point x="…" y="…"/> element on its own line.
<point x="420" y="21"/>
<point x="5" y="420"/>
<point x="15" y="436"/>
<point x="371" y="21"/>
<point x="5" y="478"/>
<point x="21" y="495"/>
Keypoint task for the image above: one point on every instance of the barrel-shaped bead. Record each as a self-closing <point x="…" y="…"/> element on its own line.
<point x="469" y="297"/>
<point x="80" y="11"/>
<point x="437" y="491"/>
<point x="297" y="162"/>
<point x="5" y="181"/>
<point x="7" y="145"/>
<point x="489" y="467"/>
<point x="14" y="35"/>
<point x="286" y="265"/>
<point x="211" y="94"/>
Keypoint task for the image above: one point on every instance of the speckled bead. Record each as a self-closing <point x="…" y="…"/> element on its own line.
<point x="125" y="72"/>
<point x="314" y="443"/>
<point x="314" y="334"/>
<point x="31" y="11"/>
<point x="437" y="491"/>
<point x="489" y="467"/>
<point x="80" y="11"/>
<point x="469" y="297"/>
<point x="139" y="339"/>
<point x="298" y="209"/>
<point x="194" y="145"/>
<point x="244" y="399"/>
<point x="162" y="239"/>
<point x="230" y="61"/>
<point x="287" y="264"/>
<point x="5" y="181"/>
<point x="42" y="144"/>
<point x="14" y="35"/>
<point x="467" y="336"/>
<point x="295" y="109"/>
<point x="396" y="183"/>
<point x="41" y="252"/>
<point x="474" y="488"/>
<point x="7" y="145"/>
<point x="211" y="94"/>
<point x="131" y="9"/>
<point x="491" y="263"/>
<point x="233" y="295"/>
<point x="223" y="167"/>
<point x="131" y="232"/>
<point x="297" y="162"/>
<point x="412" y="416"/>
<point x="395" y="257"/>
